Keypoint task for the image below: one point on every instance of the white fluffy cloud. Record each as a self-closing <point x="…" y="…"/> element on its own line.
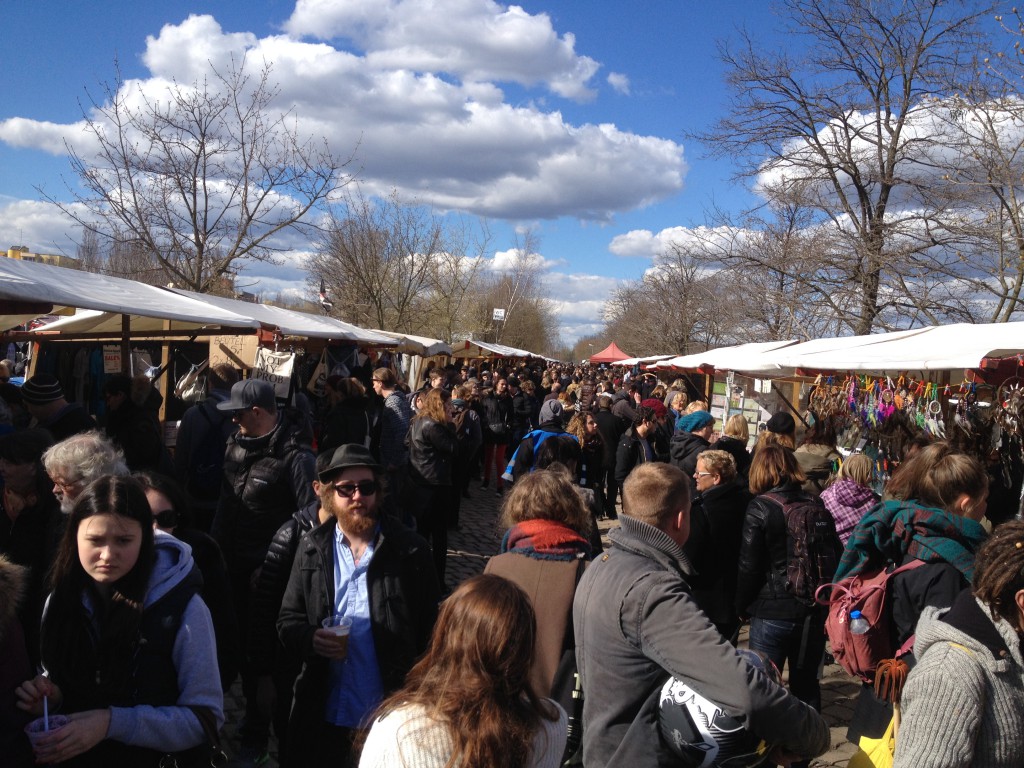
<point x="419" y="104"/>
<point x="619" y="82"/>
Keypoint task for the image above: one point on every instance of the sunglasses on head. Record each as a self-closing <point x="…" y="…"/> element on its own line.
<point x="365" y="488"/>
<point x="166" y="518"/>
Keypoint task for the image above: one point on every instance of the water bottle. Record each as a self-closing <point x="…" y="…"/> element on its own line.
<point x="858" y="624"/>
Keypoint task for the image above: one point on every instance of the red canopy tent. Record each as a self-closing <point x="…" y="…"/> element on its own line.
<point x="610" y="354"/>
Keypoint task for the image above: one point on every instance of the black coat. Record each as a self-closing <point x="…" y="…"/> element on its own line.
<point x="496" y="419"/>
<point x="716" y="532"/>
<point x="431" y="451"/>
<point x="684" y="449"/>
<point x="347" y="422"/>
<point x="611" y="430"/>
<point x="738" y="450"/>
<point x="630" y="454"/>
<point x="404" y="596"/>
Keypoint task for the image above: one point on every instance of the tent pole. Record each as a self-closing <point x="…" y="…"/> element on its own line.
<point x="789" y="405"/>
<point x="126" y="344"/>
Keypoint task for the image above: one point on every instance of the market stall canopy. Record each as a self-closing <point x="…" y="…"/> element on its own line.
<point x="734" y="358"/>
<point x="610" y="354"/>
<point x="935" y="348"/>
<point x="417" y="345"/>
<point x="473" y="348"/>
<point x="643" y="361"/>
<point x="292" y="323"/>
<point x="29" y="290"/>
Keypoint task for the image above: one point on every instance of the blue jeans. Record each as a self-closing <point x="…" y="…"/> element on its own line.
<point x="801" y="643"/>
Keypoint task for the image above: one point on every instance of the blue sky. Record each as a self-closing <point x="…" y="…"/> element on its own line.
<point x="586" y="104"/>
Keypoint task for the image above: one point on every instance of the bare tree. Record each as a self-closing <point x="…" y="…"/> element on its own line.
<point x="377" y="261"/>
<point x="832" y="132"/>
<point x="453" y="275"/>
<point x="201" y="176"/>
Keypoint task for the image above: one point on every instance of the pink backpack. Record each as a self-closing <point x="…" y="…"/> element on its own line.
<point x="865" y="592"/>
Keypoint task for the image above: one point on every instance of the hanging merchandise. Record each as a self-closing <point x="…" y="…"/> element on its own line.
<point x="191" y="387"/>
<point x="276" y="368"/>
<point x="318" y="381"/>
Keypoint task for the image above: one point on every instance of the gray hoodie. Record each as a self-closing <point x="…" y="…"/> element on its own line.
<point x="194" y="655"/>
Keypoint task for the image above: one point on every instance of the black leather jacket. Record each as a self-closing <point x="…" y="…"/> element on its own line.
<point x="761" y="581"/>
<point x="431" y="449"/>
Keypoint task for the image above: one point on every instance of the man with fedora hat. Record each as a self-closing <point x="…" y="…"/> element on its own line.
<point x="366" y="566"/>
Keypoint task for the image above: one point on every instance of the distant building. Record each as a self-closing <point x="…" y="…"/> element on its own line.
<point x="22" y="253"/>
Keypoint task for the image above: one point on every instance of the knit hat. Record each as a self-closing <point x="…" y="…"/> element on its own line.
<point x="655" y="405"/>
<point x="781" y="424"/>
<point x="694" y="421"/>
<point x="41" y="389"/>
<point x="550" y="411"/>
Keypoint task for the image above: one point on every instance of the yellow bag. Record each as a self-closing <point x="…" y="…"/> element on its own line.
<point x="878" y="753"/>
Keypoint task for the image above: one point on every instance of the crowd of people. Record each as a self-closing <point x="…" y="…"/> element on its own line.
<point x="302" y="548"/>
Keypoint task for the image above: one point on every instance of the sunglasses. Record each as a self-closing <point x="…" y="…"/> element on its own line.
<point x="166" y="518"/>
<point x="365" y="488"/>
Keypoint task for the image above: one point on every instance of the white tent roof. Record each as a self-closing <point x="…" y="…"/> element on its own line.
<point x="644" y="360"/>
<point x="417" y="345"/>
<point x="26" y="281"/>
<point x="292" y="323"/>
<point x="474" y="348"/>
<point x="723" y="358"/>
<point x="945" y="347"/>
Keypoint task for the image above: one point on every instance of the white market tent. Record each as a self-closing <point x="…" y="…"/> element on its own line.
<point x="29" y="290"/>
<point x="722" y="358"/>
<point x="416" y="345"/>
<point x="642" y="361"/>
<point x="935" y="348"/>
<point x="473" y="348"/>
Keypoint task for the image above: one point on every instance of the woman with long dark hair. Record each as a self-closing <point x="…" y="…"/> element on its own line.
<point x="468" y="701"/>
<point x="126" y="641"/>
<point x="431" y="443"/>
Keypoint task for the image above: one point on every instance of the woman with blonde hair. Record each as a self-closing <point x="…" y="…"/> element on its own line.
<point x="468" y="701"/>
<point x="734" y="439"/>
<point x="431" y="443"/>
<point x="850" y="497"/>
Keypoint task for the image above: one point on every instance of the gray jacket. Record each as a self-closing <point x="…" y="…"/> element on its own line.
<point x="636" y="625"/>
<point x="963" y="704"/>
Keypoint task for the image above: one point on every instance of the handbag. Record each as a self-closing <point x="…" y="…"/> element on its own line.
<point x="208" y="755"/>
<point x="191" y="387"/>
<point x="878" y="753"/>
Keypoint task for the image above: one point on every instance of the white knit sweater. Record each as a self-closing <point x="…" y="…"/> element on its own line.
<point x="407" y="738"/>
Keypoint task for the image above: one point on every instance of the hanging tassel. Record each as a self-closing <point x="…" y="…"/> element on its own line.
<point x="890" y="677"/>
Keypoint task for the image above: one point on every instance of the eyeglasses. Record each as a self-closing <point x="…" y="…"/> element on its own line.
<point x="365" y="488"/>
<point x="702" y="474"/>
<point x="166" y="518"/>
<point x="66" y="485"/>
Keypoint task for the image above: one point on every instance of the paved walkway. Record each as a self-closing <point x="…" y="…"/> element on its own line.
<point x="479" y="538"/>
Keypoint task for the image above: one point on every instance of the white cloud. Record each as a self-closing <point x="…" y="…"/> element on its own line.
<point x="642" y="243"/>
<point x="440" y="132"/>
<point x="504" y="261"/>
<point x="619" y="82"/>
<point x="473" y="40"/>
<point x="38" y="225"/>
<point x="579" y="302"/>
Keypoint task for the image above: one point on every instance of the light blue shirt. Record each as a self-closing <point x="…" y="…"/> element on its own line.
<point x="354" y="684"/>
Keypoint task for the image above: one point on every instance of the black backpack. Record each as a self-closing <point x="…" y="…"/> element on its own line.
<point x="813" y="548"/>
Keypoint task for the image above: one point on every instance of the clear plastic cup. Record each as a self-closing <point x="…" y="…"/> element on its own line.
<point x="340" y="626"/>
<point x="37" y="728"/>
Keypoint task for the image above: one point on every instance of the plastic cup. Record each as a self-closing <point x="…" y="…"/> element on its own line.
<point x="339" y="626"/>
<point x="37" y="728"/>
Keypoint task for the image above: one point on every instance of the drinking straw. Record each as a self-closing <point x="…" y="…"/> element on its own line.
<point x="46" y="714"/>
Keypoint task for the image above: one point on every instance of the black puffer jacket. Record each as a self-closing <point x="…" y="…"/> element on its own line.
<point x="496" y="419"/>
<point x="261" y="648"/>
<point x="266" y="479"/>
<point x="431" y="450"/>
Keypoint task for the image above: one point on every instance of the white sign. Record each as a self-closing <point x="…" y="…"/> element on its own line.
<point x="499" y="314"/>
<point x="111" y="358"/>
<point x="275" y="367"/>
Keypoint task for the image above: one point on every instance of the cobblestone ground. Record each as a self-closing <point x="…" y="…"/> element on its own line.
<point x="478" y="538"/>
